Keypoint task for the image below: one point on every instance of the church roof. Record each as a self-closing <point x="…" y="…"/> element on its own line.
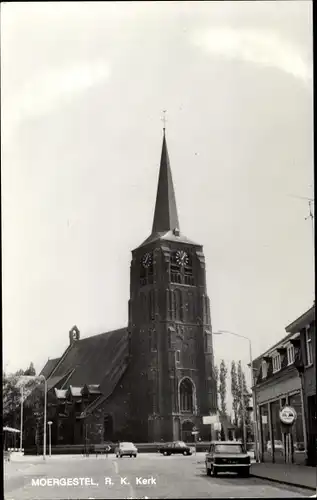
<point x="93" y="361"/>
<point x="114" y="380"/>
<point x="49" y="367"/>
<point x="165" y="221"/>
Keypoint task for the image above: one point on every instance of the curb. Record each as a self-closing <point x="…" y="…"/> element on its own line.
<point x="280" y="481"/>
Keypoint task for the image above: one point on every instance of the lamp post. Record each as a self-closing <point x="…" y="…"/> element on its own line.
<point x="50" y="437"/>
<point x="221" y="332"/>
<point x="33" y="377"/>
<point x="21" y="423"/>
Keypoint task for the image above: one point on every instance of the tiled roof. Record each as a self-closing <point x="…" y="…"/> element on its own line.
<point x="48" y="368"/>
<point x="95" y="361"/>
<point x="113" y="382"/>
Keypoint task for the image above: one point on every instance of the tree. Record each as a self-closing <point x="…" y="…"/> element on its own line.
<point x="223" y="387"/>
<point x="17" y="388"/>
<point x="30" y="371"/>
<point x="235" y="392"/>
<point x="244" y="403"/>
<point x="216" y="378"/>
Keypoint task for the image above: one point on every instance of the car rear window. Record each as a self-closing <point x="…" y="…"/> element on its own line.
<point x="228" y="448"/>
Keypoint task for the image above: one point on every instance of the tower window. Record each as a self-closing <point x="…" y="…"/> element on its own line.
<point x="146" y="269"/>
<point x="181" y="269"/>
<point x="153" y="340"/>
<point x="177" y="356"/>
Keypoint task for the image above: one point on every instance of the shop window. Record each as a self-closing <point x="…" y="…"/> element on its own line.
<point x="290" y="354"/>
<point x="309" y="349"/>
<point x="276" y="361"/>
<point x="295" y="401"/>
<point x="265" y="432"/>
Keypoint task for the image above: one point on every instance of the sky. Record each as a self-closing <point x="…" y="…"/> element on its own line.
<point x="83" y="89"/>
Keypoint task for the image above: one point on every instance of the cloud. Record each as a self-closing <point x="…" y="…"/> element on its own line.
<point x="48" y="90"/>
<point x="264" y="48"/>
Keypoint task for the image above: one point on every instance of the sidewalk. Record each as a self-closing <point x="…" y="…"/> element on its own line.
<point x="295" y="475"/>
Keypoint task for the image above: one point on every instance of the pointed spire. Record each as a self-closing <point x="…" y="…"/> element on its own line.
<point x="165" y="215"/>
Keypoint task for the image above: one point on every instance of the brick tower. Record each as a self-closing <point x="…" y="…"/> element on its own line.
<point x="172" y="372"/>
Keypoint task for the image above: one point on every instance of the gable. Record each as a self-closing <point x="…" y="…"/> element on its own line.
<point x="49" y="367"/>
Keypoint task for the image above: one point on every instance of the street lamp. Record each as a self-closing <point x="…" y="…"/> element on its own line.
<point x="221" y="332"/>
<point x="50" y="437"/>
<point x="33" y="377"/>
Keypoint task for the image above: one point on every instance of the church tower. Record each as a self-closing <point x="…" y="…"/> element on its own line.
<point x="172" y="381"/>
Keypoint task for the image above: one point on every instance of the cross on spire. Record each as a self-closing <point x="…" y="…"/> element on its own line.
<point x="164" y="119"/>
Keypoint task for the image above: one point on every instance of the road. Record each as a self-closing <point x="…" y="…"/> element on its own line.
<point x="147" y="476"/>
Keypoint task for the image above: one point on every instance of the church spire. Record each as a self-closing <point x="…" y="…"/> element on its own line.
<point x="165" y="215"/>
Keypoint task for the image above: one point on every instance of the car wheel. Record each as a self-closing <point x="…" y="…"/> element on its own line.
<point x="214" y="472"/>
<point x="208" y="471"/>
<point x="134" y="456"/>
<point x="244" y="473"/>
<point x="165" y="453"/>
<point x="185" y="453"/>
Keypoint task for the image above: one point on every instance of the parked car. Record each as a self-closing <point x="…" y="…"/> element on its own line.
<point x="126" y="449"/>
<point x="278" y="446"/>
<point x="177" y="447"/>
<point x="227" y="456"/>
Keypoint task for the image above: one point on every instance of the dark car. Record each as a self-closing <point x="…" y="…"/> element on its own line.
<point x="227" y="456"/>
<point x="176" y="447"/>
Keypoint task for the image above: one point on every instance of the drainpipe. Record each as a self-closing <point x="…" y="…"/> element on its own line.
<point x="302" y="394"/>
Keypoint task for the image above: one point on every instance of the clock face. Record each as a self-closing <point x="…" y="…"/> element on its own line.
<point x="147" y="260"/>
<point x="181" y="258"/>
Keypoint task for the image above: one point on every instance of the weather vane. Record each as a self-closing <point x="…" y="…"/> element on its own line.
<point x="164" y="120"/>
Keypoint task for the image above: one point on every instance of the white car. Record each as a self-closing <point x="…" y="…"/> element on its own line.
<point x="126" y="449"/>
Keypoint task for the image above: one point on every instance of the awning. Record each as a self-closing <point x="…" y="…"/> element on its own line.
<point x="10" y="429"/>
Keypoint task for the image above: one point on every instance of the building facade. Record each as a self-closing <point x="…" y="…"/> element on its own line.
<point x="153" y="380"/>
<point x="286" y="375"/>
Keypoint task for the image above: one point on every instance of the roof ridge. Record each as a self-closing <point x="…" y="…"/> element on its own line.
<point x="103" y="333"/>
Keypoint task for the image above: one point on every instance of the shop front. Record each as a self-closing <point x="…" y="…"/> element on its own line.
<point x="272" y="432"/>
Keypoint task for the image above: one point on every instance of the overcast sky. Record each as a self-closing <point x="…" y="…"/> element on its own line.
<point x="83" y="86"/>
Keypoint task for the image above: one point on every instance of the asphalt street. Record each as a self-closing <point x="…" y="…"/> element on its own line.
<point x="149" y="476"/>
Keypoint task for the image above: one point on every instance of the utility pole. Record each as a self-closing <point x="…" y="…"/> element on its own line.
<point x="311" y="217"/>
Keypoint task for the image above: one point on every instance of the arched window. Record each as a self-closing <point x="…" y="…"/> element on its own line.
<point x="186" y="395"/>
